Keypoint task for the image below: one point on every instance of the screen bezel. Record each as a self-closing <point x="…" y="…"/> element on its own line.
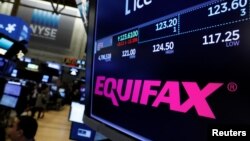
<point x="96" y="125"/>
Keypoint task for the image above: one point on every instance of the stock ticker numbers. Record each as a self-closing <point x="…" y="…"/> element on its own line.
<point x="167" y="47"/>
<point x="170" y="23"/>
<point x="224" y="7"/>
<point x="127" y="38"/>
<point x="231" y="38"/>
<point x="130" y="53"/>
<point x="212" y="23"/>
<point x="200" y="18"/>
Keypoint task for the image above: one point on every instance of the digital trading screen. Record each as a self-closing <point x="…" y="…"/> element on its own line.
<point x="8" y="101"/>
<point x="12" y="89"/>
<point x="171" y="69"/>
<point x="10" y="95"/>
<point x="5" y="45"/>
<point x="45" y="78"/>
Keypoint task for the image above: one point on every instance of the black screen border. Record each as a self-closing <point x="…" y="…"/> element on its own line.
<point x="96" y="125"/>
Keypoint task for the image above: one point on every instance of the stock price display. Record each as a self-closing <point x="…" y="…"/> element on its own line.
<point x="212" y="23"/>
<point x="200" y="42"/>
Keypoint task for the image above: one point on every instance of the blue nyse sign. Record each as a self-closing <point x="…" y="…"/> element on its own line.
<point x="47" y="27"/>
<point x="45" y="24"/>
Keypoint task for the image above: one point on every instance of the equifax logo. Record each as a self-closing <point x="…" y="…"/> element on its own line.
<point x="139" y="91"/>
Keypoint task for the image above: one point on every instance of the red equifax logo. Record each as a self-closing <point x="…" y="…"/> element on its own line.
<point x="139" y="91"/>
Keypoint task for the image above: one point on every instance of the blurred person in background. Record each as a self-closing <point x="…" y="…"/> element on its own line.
<point x="22" y="128"/>
<point x="42" y="100"/>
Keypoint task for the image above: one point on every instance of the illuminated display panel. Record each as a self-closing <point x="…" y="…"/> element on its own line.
<point x="170" y="69"/>
<point x="8" y="101"/>
<point x="11" y="94"/>
<point x="54" y="65"/>
<point x="32" y="67"/>
<point x="12" y="89"/>
<point x="5" y="45"/>
<point x="73" y="71"/>
<point x="45" y="78"/>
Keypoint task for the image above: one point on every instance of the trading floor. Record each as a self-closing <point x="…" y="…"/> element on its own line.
<point x="54" y="126"/>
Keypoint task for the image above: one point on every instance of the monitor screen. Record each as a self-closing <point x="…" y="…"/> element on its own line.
<point x="76" y="112"/>
<point x="176" y="66"/>
<point x="5" y="45"/>
<point x="23" y="82"/>
<point x="14" y="73"/>
<point x="28" y="60"/>
<point x="32" y="67"/>
<point x="3" y="51"/>
<point x="54" y="87"/>
<point x="62" y="95"/>
<point x="54" y="65"/>
<point x="9" y="101"/>
<point x="45" y="78"/>
<point x="82" y="94"/>
<point x="82" y="89"/>
<point x="21" y="59"/>
<point x="12" y="89"/>
<point x="78" y="62"/>
<point x="61" y="90"/>
<point x="81" y="132"/>
<point x="73" y="71"/>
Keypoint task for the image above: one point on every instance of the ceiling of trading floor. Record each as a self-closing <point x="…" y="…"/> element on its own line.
<point x="71" y="3"/>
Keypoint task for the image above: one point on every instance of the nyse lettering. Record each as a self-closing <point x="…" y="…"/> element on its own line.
<point x="137" y="4"/>
<point x="44" y="31"/>
<point x="139" y="92"/>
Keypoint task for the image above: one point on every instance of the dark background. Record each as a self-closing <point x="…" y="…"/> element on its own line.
<point x="191" y="61"/>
